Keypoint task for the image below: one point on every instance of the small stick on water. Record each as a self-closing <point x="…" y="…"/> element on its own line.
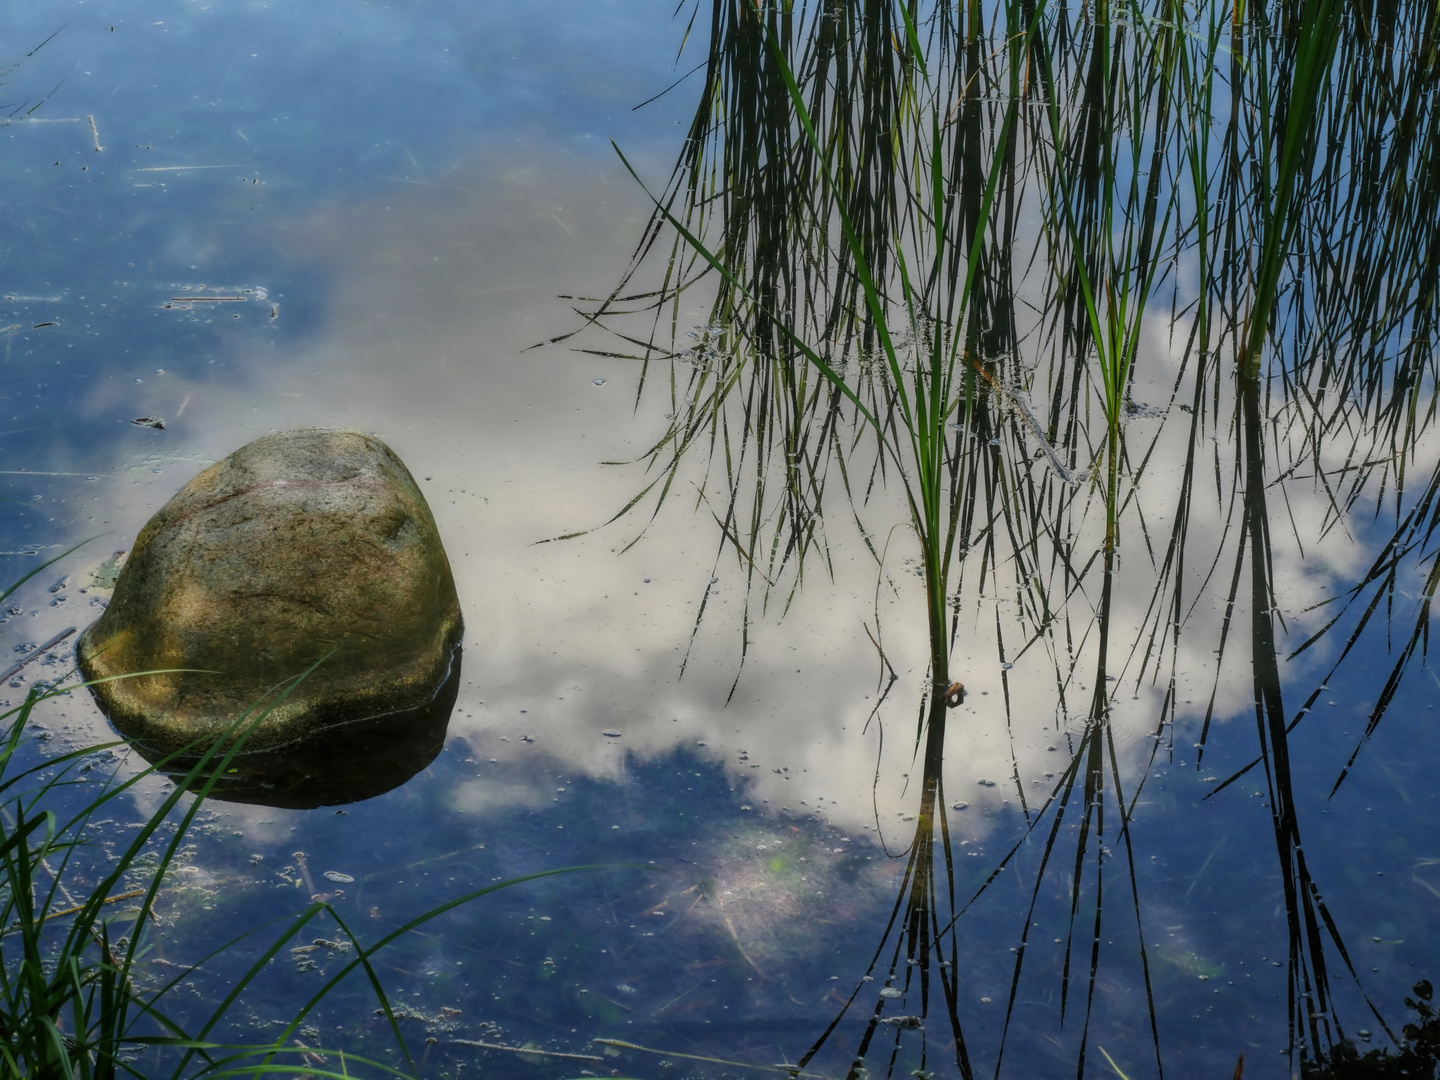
<point x="793" y="1070"/>
<point x="32" y="472"/>
<point x="35" y="653"/>
<point x="528" y="1050"/>
<point x="80" y="907"/>
<point x="183" y="168"/>
<point x="746" y="956"/>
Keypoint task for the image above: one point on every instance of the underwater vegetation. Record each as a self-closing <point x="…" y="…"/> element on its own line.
<point x="1417" y="1055"/>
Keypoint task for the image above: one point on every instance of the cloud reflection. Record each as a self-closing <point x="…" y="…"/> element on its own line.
<point x="434" y="294"/>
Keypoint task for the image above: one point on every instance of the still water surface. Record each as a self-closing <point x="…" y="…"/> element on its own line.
<point x="398" y="198"/>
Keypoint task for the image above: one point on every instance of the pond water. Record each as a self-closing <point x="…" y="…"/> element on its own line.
<point x="244" y="218"/>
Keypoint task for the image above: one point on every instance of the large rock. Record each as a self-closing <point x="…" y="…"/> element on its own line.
<point x="308" y="548"/>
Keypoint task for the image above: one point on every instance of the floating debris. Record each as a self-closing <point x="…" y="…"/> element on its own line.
<point x="149" y="421"/>
<point x="908" y="1023"/>
<point x="105" y="575"/>
<point x="1141" y="410"/>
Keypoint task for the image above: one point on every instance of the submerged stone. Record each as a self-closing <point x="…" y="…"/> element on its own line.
<point x="300" y="582"/>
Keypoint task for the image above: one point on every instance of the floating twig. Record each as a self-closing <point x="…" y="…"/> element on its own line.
<point x="79" y="907"/>
<point x="41" y="651"/>
<point x="792" y="1070"/>
<point x="531" y="1050"/>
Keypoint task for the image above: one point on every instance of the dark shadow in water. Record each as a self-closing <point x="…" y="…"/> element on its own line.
<point x="343" y="764"/>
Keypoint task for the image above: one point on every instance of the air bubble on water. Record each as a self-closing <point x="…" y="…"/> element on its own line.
<point x="610" y="733"/>
<point x="337" y="877"/>
<point x="598" y="382"/>
<point x="962" y="805"/>
<point x="1006" y="666"/>
<point x="891" y="992"/>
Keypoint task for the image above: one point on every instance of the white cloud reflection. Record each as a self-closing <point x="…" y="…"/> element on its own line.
<point x="435" y="293"/>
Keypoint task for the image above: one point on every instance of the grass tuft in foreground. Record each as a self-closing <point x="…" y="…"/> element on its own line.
<point x="79" y="997"/>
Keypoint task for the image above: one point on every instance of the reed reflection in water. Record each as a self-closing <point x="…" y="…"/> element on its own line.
<point x="1126" y="300"/>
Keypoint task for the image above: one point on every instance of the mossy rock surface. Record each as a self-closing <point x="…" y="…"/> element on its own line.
<point x="304" y="547"/>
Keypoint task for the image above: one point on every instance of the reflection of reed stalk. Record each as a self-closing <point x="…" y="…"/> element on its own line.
<point x="1167" y="148"/>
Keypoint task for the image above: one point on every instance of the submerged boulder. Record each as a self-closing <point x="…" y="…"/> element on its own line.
<point x="302" y="583"/>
